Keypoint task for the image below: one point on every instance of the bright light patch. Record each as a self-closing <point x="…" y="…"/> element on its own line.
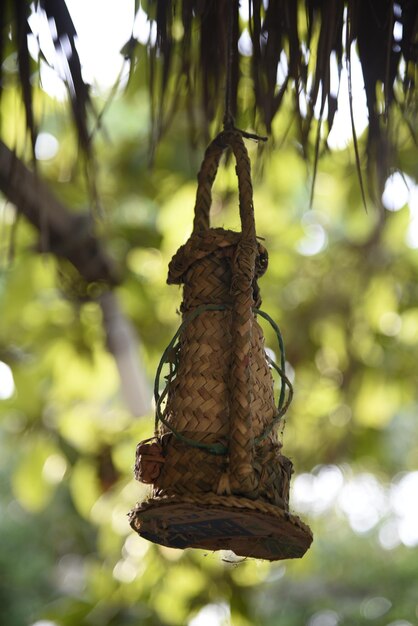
<point x="7" y="384"/>
<point x="244" y="11"/>
<point x="124" y="571"/>
<point x="54" y="468"/>
<point x="364" y="502"/>
<point x="396" y="192"/>
<point x="316" y="493"/>
<point x="100" y="40"/>
<point x="46" y="147"/>
<point x="397" y="31"/>
<point x="212" y="615"/>
<point x="135" y="547"/>
<point x="245" y="45"/>
<point x="341" y="133"/>
<point x="403" y="498"/>
<point x="334" y="78"/>
<point x="290" y="372"/>
<point x="7" y="215"/>
<point x="303" y="495"/>
<point x="390" y="323"/>
<point x="314" y="241"/>
<point x="282" y="69"/>
<point x="373" y="608"/>
<point x="41" y="39"/>
<point x="389" y="535"/>
<point x="144" y="30"/>
<point x="119" y="523"/>
<point x="52" y="83"/>
<point x="324" y="618"/>
<point x="408" y="531"/>
<point x="271" y="354"/>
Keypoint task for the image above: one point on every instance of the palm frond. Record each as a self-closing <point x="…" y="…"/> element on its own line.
<point x="14" y="32"/>
<point x="22" y="30"/>
<point x="303" y="39"/>
<point x="199" y="41"/>
<point x="64" y="35"/>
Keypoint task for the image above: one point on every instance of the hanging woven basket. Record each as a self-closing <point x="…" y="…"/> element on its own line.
<point x="219" y="478"/>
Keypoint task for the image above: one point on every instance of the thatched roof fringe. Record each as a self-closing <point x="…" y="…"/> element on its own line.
<point x="14" y="31"/>
<point x="298" y="40"/>
<point x="303" y="37"/>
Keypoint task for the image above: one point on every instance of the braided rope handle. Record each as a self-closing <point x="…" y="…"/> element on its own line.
<point x="225" y="139"/>
<point x="241" y="476"/>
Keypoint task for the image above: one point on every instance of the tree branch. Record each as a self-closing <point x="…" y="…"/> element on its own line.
<point x="70" y="236"/>
<point x="123" y="343"/>
<point x="65" y="234"/>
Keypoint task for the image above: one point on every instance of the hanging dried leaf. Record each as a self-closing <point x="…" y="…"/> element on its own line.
<point x="14" y="32"/>
<point x="64" y="35"/>
<point x="293" y="47"/>
<point x="22" y="30"/>
<point x="300" y="41"/>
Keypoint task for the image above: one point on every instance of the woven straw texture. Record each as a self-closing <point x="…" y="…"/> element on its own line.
<point x="249" y="528"/>
<point x="223" y="390"/>
<point x="214" y="446"/>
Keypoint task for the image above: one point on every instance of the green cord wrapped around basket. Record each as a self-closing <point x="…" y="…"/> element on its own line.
<point x="219" y="478"/>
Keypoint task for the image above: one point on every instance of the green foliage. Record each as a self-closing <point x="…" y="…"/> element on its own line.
<point x="348" y="310"/>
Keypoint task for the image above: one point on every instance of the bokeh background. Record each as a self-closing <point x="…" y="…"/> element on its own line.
<point x="342" y="285"/>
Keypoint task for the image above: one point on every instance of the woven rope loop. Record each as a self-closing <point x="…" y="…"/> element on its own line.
<point x="206" y="177"/>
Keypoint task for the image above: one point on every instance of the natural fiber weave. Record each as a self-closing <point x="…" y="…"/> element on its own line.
<point x="248" y="528"/>
<point x="231" y="501"/>
<point x="221" y="396"/>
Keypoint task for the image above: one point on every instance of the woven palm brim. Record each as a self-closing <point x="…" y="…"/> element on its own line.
<point x="246" y="527"/>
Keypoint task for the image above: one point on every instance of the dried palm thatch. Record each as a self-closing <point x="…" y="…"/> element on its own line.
<point x="15" y="28"/>
<point x="198" y="42"/>
<point x="304" y="41"/>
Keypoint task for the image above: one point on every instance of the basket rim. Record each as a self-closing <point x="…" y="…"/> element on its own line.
<point x="249" y="528"/>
